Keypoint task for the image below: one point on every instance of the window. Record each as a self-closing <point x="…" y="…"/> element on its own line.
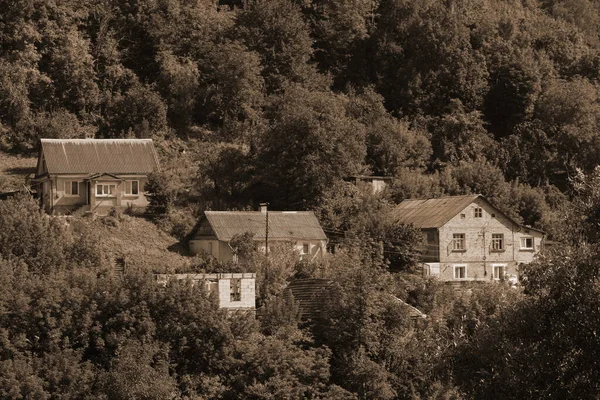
<point x="458" y="242"/>
<point x="72" y="188"/>
<point x="478" y="212"/>
<point x="460" y="272"/>
<point x="498" y="271"/>
<point x="430" y="236"/>
<point x="497" y="241"/>
<point x="235" y="289"/>
<point x="305" y="248"/>
<point x="526" y="243"/>
<point x="462" y="216"/>
<point x="211" y="286"/>
<point x="105" y="189"/>
<point x="132" y="187"/>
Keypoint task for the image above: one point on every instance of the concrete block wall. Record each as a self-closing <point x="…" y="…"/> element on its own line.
<point x="248" y="291"/>
<point x="248" y="287"/>
<point x="478" y="256"/>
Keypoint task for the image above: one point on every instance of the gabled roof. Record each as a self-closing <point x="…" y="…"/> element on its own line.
<point x="87" y="156"/>
<point x="435" y="213"/>
<point x="283" y="225"/>
<point x="431" y="213"/>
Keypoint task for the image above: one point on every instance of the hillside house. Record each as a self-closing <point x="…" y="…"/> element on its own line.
<point x="214" y="231"/>
<point x="375" y="184"/>
<point x="93" y="174"/>
<point x="234" y="291"/>
<point x="466" y="238"/>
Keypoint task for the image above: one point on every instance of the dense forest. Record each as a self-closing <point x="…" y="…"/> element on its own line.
<point x="279" y="101"/>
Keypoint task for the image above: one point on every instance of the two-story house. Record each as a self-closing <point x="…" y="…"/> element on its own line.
<point x="214" y="231"/>
<point x="93" y="174"/>
<point x="466" y="238"/>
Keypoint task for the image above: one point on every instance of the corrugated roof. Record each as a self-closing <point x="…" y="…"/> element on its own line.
<point x="310" y="295"/>
<point x="431" y="213"/>
<point x="86" y="156"/>
<point x="282" y="224"/>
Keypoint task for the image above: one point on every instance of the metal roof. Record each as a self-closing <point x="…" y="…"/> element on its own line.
<point x="431" y="213"/>
<point x="310" y="295"/>
<point x="283" y="225"/>
<point x="86" y="156"/>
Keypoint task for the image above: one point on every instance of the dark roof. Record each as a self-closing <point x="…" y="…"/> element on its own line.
<point x="282" y="224"/>
<point x="431" y="213"/>
<point x="309" y="295"/>
<point x="413" y="312"/>
<point x="86" y="156"/>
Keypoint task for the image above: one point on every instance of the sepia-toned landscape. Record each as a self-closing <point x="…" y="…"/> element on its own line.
<point x="299" y="199"/>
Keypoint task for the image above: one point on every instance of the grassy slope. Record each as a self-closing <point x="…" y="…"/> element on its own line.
<point x="140" y="242"/>
<point x="15" y="171"/>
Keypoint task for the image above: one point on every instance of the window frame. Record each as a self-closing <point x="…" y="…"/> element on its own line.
<point x="129" y="187"/>
<point x="103" y="185"/>
<point x="496" y="267"/>
<point x="525" y="238"/>
<point x="307" y="247"/>
<point x="498" y="243"/>
<point x="457" y="267"/>
<point x="69" y="184"/>
<point x="459" y="240"/>
<point x="235" y="290"/>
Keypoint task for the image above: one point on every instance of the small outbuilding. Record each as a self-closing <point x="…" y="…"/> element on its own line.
<point x="234" y="291"/>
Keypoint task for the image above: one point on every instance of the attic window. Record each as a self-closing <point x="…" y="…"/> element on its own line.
<point x="478" y="212"/>
<point x="462" y="216"/>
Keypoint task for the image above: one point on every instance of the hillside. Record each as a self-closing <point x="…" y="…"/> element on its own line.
<point x="15" y="171"/>
<point x="138" y="241"/>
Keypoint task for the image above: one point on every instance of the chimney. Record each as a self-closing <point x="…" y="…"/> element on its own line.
<point x="263" y="207"/>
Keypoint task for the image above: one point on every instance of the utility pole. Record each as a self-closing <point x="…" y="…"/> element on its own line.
<point x="264" y="208"/>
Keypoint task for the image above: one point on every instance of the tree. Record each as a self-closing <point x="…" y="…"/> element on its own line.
<point x="312" y="142"/>
<point x="276" y="30"/>
<point x="545" y="345"/>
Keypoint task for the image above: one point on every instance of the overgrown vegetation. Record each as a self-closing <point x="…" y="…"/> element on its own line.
<point x="279" y="101"/>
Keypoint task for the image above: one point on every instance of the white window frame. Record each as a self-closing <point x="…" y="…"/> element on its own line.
<point x="69" y="189"/>
<point x="307" y="247"/>
<point x="129" y="187"/>
<point x="498" y="243"/>
<point x="103" y="186"/>
<point x="456" y="240"/>
<point x="495" y="268"/>
<point x="478" y="212"/>
<point x="459" y="266"/>
<point x="524" y="240"/>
